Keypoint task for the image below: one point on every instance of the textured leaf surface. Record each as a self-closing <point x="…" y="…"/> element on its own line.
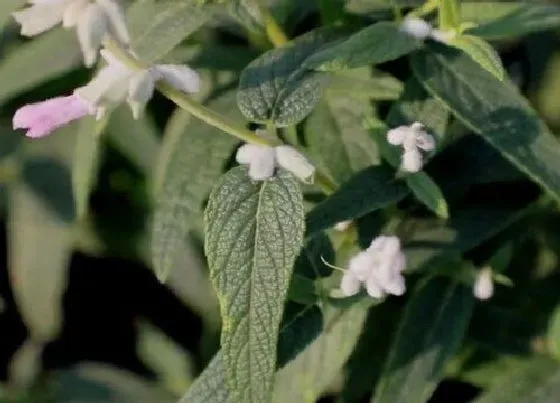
<point x="276" y="87"/>
<point x="436" y="318"/>
<point x="170" y="22"/>
<point x="378" y="43"/>
<point x="371" y="189"/>
<point x="361" y="83"/>
<point x="186" y="177"/>
<point x="537" y="381"/>
<point x="254" y="232"/>
<point x="336" y="138"/>
<point x="481" y="52"/>
<point x="494" y="110"/>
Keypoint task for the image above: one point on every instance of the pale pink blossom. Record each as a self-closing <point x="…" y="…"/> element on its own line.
<point x="42" y="118"/>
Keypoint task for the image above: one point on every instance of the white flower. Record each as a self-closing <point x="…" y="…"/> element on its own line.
<point x="412" y="138"/>
<point x="484" y="286"/>
<point x="117" y="82"/>
<point x="416" y="27"/>
<point x="262" y="161"/>
<point x="343" y="225"/>
<point x="91" y="18"/>
<point x="379" y="268"/>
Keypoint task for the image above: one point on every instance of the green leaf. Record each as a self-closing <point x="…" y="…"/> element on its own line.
<point x="6" y="9"/>
<point x="429" y="193"/>
<point x="211" y="385"/>
<point x="494" y="110"/>
<point x="254" y="231"/>
<point x="436" y="318"/>
<point x="86" y="162"/>
<point x="310" y="261"/>
<point x="554" y="333"/>
<point x="361" y="83"/>
<point x="449" y="14"/>
<point x="336" y="138"/>
<point x="507" y="19"/>
<point x="136" y="139"/>
<point x="481" y="52"/>
<point x="170" y="22"/>
<point x="372" y="189"/>
<point x="307" y="377"/>
<point x="277" y="87"/>
<point x="185" y="178"/>
<point x="57" y="52"/>
<point x="537" y="381"/>
<point x="378" y="43"/>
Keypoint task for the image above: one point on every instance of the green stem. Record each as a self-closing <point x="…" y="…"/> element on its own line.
<point x="274" y="31"/>
<point x="205" y="114"/>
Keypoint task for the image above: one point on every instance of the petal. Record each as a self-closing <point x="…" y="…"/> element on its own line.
<point x="425" y="141"/>
<point x="484" y="286"/>
<point x="110" y="84"/>
<point x="412" y="161"/>
<point x="39" y="18"/>
<point x="373" y="289"/>
<point x="361" y="265"/>
<point x="245" y="153"/>
<point x="349" y="285"/>
<point x="261" y="166"/>
<point x="343" y="225"/>
<point x="397" y="135"/>
<point x="44" y="117"/>
<point x="416" y="27"/>
<point x="73" y="12"/>
<point x="179" y="76"/>
<point x="117" y="20"/>
<point x="91" y="28"/>
<point x="141" y="90"/>
<point x="292" y="160"/>
<point x="396" y="286"/>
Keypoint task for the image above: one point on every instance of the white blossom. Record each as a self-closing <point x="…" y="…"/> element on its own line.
<point x="262" y="161"/>
<point x="116" y="82"/>
<point x="91" y="18"/>
<point x="416" y="27"/>
<point x="379" y="268"/>
<point x="412" y="138"/>
<point x="343" y="225"/>
<point x="483" y="288"/>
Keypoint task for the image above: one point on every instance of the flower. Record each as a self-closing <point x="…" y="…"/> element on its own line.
<point x="43" y="118"/>
<point x="413" y="138"/>
<point x="416" y="27"/>
<point x="262" y="161"/>
<point x="483" y="288"/>
<point x="379" y="267"/>
<point x="343" y="225"/>
<point x="116" y="82"/>
<point x="92" y="19"/>
<point x="420" y="29"/>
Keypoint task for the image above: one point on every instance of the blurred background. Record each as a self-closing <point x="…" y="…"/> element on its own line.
<point x="98" y="325"/>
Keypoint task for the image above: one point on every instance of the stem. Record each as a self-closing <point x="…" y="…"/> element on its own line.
<point x="205" y="114"/>
<point x="274" y="31"/>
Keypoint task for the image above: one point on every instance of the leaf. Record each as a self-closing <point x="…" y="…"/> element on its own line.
<point x="361" y="83"/>
<point x="6" y="9"/>
<point x="449" y="14"/>
<point x="136" y="139"/>
<point x="186" y="176"/>
<point x="306" y="378"/>
<point x="554" y="333"/>
<point x="537" y="381"/>
<point x="501" y="20"/>
<point x="481" y="52"/>
<point x="310" y="261"/>
<point x="371" y="189"/>
<point x="277" y="87"/>
<point x="57" y="52"/>
<point x="254" y="232"/>
<point x="436" y="318"/>
<point x="86" y="162"/>
<point x="378" y="43"/>
<point x="494" y="110"/>
<point x="170" y="22"/>
<point x="429" y="193"/>
<point x="211" y="385"/>
<point x="336" y="138"/>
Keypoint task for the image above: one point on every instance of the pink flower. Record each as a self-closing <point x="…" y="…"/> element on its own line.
<point x="42" y="118"/>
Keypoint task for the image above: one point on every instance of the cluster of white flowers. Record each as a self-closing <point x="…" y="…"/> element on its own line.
<point x="420" y="29"/>
<point x="412" y="138"/>
<point x="483" y="288"/>
<point x="379" y="268"/>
